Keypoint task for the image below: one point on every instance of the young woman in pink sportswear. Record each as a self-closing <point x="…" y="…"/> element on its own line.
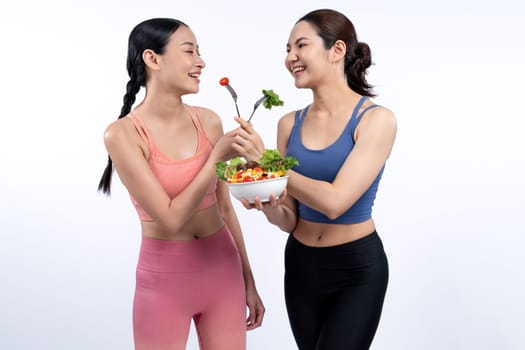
<point x="192" y="262"/>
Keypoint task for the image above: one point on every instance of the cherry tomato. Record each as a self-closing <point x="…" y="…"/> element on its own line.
<point x="224" y="81"/>
<point x="248" y="179"/>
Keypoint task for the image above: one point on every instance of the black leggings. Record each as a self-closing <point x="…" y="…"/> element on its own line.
<point x="334" y="295"/>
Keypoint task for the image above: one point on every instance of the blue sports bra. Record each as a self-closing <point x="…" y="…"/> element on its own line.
<point x="324" y="165"/>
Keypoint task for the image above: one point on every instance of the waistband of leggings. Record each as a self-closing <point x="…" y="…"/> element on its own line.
<point x="166" y="246"/>
<point x="371" y="238"/>
<point x="187" y="256"/>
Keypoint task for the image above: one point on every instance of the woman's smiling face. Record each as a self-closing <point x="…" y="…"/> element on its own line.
<point x="307" y="58"/>
<point x="181" y="63"/>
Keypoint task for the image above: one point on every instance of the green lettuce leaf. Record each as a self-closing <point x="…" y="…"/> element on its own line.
<point x="272" y="99"/>
<point x="271" y="160"/>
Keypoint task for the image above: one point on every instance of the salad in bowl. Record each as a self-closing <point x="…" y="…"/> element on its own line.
<point x="250" y="179"/>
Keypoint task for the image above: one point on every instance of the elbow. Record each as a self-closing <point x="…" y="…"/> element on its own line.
<point x="288" y="227"/>
<point x="170" y="224"/>
<point x="335" y="210"/>
<point x="332" y="215"/>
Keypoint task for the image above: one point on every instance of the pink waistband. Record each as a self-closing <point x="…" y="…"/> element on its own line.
<point x="160" y="255"/>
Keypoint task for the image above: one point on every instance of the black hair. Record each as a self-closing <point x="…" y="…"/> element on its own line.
<point x="152" y="34"/>
<point x="331" y="26"/>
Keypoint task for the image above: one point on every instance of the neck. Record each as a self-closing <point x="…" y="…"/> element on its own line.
<point x="331" y="97"/>
<point x="163" y="105"/>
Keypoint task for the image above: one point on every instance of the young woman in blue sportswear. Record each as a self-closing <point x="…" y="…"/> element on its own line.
<point x="336" y="270"/>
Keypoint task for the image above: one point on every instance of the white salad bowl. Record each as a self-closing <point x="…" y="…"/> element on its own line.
<point x="261" y="188"/>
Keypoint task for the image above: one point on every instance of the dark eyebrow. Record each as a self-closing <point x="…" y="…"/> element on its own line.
<point x="301" y="38"/>
<point x="297" y="41"/>
<point x="188" y="43"/>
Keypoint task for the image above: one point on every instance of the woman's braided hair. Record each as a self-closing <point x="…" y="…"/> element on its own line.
<point x="152" y="34"/>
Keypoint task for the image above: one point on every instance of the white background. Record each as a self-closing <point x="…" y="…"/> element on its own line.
<point x="449" y="208"/>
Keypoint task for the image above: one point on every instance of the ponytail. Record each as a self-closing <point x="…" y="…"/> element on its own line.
<point x="356" y="64"/>
<point x="132" y="88"/>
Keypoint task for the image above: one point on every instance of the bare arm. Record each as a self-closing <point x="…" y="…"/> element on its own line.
<point x="127" y="152"/>
<point x="280" y="212"/>
<point x="375" y="137"/>
<point x="253" y="300"/>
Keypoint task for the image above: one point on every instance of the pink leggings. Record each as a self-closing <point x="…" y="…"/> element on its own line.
<point x="180" y="280"/>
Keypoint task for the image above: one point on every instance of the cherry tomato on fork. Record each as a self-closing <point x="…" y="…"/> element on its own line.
<point x="224" y="81"/>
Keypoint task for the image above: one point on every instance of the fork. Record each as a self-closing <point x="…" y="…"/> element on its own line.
<point x="257" y="104"/>
<point x="234" y="95"/>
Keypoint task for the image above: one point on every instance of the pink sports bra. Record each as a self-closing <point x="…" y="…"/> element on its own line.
<point x="175" y="175"/>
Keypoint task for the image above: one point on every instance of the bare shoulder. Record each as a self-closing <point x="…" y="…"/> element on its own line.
<point x="287" y="121"/>
<point x="207" y="115"/>
<point x="379" y="117"/>
<point x="377" y="125"/>
<point x="211" y="120"/>
<point x="284" y="129"/>
<point x="118" y="132"/>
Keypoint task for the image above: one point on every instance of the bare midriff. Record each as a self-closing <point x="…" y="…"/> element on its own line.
<point x="316" y="234"/>
<point x="202" y="224"/>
